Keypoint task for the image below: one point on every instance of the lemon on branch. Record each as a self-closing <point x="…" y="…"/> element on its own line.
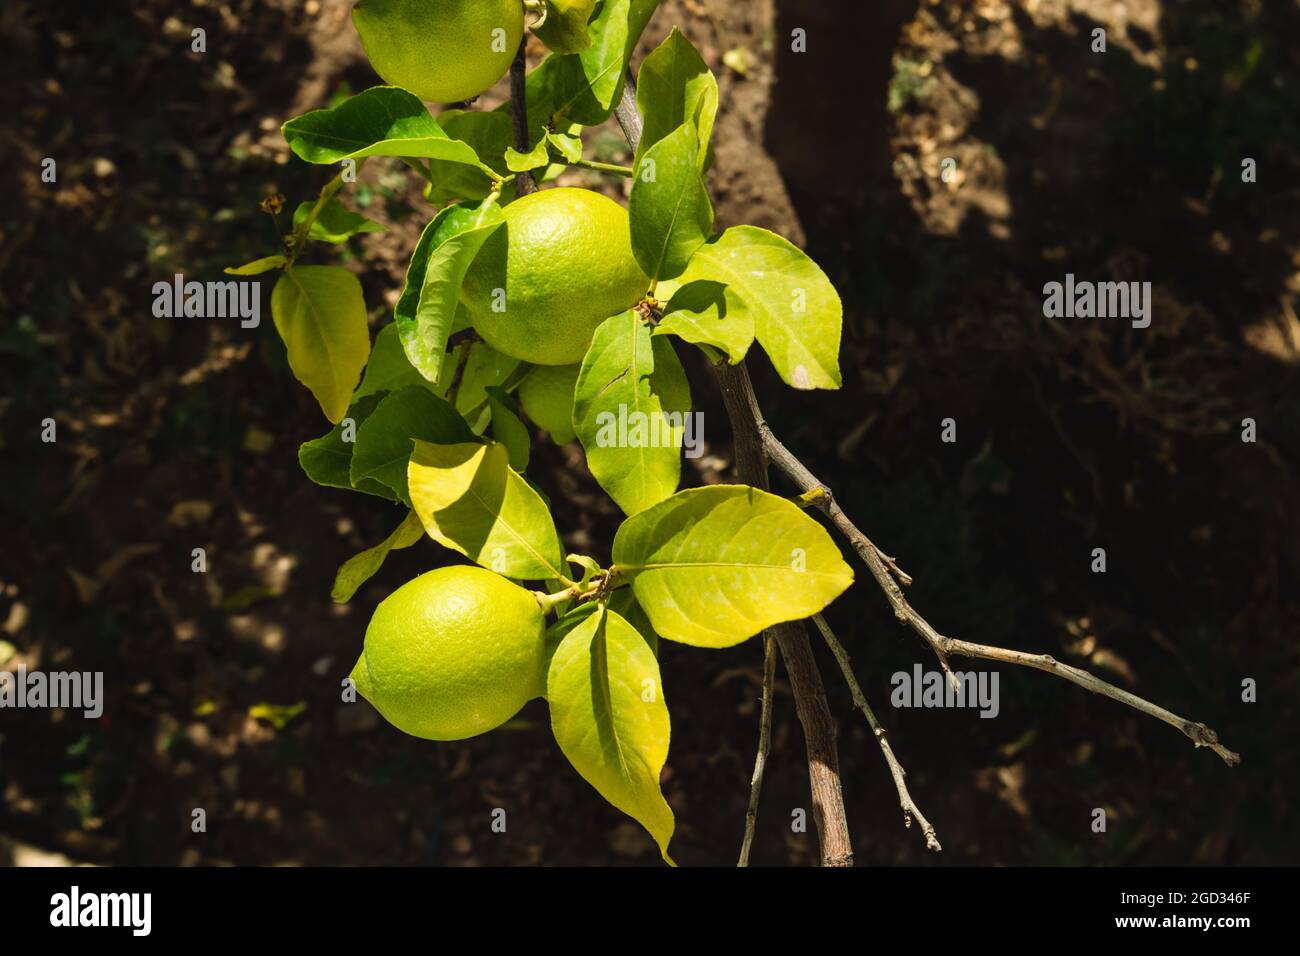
<point x="454" y="653"/>
<point x="560" y="266"/>
<point x="441" y="50"/>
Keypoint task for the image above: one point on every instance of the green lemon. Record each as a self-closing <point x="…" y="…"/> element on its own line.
<point x="560" y="266"/>
<point x="441" y="50"/>
<point x="547" y="396"/>
<point x="454" y="653"/>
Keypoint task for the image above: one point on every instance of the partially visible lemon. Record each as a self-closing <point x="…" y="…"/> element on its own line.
<point x="454" y="653"/>
<point x="441" y="50"/>
<point x="547" y="396"/>
<point x="560" y="266"/>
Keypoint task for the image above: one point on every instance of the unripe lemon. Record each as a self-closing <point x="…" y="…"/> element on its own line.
<point x="561" y="265"/>
<point x="454" y="653"/>
<point x="547" y="396"/>
<point x="442" y="50"/>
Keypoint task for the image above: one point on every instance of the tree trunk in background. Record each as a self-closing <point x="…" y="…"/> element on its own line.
<point x="827" y="126"/>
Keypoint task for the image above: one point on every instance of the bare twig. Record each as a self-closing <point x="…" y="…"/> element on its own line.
<point x="519" y="115"/>
<point x="910" y="809"/>
<point x="943" y="647"/>
<point x="764" y="747"/>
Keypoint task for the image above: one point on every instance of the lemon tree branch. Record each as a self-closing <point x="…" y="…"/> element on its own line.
<point x="519" y="113"/>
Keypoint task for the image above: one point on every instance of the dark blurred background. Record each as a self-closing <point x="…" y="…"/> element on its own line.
<point x="222" y="688"/>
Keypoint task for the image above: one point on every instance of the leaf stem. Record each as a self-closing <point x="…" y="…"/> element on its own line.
<point x="612" y="168"/>
<point x="298" y="241"/>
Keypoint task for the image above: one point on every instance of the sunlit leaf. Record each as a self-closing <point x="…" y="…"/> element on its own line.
<point x="670" y="211"/>
<point x="628" y="381"/>
<point x="382" y="121"/>
<point x="702" y="313"/>
<point x="609" y="717"/>
<point x="675" y="86"/>
<point x="796" y="311"/>
<point x="713" y="566"/>
<point x="321" y="316"/>
<point x="426" y="310"/>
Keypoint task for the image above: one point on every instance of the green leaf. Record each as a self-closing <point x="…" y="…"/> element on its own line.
<point x="564" y="28"/>
<point x="360" y="568"/>
<point x="383" y="445"/>
<point x="257" y="266"/>
<point x="507" y="428"/>
<point x="426" y="310"/>
<point x="489" y="135"/>
<point x="674" y="87"/>
<point x="327" y="460"/>
<point x="335" y="224"/>
<point x="585" y="87"/>
<point x="609" y="717"/>
<point x="321" y="316"/>
<point x="796" y="311"/>
<point x="670" y="211"/>
<point x="485" y="367"/>
<point x="389" y="369"/>
<point x="567" y="145"/>
<point x="471" y="501"/>
<point x="701" y="312"/>
<point x="713" y="566"/>
<point x="537" y="158"/>
<point x="382" y="121"/>
<point x="627" y="382"/>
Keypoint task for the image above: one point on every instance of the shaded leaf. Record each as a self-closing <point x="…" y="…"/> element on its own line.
<point x="327" y="460"/>
<point x="489" y="135"/>
<point x="335" y="224"/>
<point x="383" y="445"/>
<point x="389" y="369"/>
<point x="360" y="568"/>
<point x="507" y="428"/>
<point x="564" y="29"/>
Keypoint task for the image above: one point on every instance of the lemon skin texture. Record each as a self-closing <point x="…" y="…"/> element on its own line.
<point x="441" y="50"/>
<point x="564" y="263"/>
<point x="547" y="396"/>
<point x="454" y="653"/>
